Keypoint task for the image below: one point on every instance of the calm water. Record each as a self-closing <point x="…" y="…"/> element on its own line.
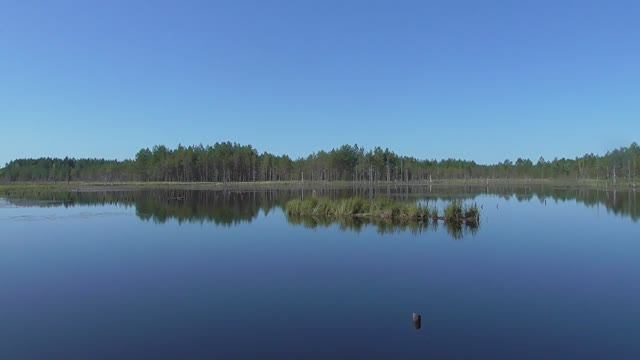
<point x="549" y="274"/>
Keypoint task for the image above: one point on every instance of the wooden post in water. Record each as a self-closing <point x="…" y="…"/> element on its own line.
<point x="417" y="321"/>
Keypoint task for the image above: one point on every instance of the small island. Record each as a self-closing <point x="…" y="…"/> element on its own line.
<point x="382" y="209"/>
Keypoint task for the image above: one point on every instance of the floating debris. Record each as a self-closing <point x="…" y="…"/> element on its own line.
<point x="417" y="321"/>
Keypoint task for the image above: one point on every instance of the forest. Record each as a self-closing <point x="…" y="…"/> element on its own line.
<point x="232" y="162"/>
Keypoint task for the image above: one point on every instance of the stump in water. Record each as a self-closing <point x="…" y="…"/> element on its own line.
<point x="417" y="321"/>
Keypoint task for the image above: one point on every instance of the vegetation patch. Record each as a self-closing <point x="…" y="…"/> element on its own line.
<point x="381" y="209"/>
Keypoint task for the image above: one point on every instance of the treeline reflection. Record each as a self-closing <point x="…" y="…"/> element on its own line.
<point x="233" y="207"/>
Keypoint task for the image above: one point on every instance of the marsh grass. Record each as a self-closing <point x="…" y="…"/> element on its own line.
<point x="456" y="213"/>
<point x="472" y="213"/>
<point x="453" y="213"/>
<point x="378" y="208"/>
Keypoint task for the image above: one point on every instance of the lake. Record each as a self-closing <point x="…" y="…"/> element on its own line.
<point x="549" y="273"/>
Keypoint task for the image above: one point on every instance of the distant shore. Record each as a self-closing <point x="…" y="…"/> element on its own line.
<point x="264" y="185"/>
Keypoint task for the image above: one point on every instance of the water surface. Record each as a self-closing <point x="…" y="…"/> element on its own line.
<point x="550" y="273"/>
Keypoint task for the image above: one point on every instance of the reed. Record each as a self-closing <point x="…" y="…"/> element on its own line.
<point x="380" y="208"/>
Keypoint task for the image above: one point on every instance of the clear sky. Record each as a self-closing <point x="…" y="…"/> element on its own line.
<point x="480" y="80"/>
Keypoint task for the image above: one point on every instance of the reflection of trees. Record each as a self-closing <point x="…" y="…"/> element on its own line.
<point x="222" y="208"/>
<point x="219" y="207"/>
<point x="383" y="226"/>
<point x="620" y="202"/>
<point x="231" y="207"/>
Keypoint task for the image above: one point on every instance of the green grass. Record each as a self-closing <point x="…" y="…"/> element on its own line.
<point x="456" y="213"/>
<point x="379" y="208"/>
<point x="453" y="212"/>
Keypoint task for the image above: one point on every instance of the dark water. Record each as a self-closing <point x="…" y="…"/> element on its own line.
<point x="550" y="274"/>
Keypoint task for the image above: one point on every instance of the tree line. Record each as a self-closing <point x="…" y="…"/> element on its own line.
<point x="232" y="162"/>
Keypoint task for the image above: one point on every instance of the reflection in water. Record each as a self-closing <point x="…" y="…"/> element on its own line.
<point x="192" y="289"/>
<point x="233" y="207"/>
<point x="384" y="226"/>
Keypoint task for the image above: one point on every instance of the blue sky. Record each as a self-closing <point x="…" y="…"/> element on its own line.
<point x="481" y="80"/>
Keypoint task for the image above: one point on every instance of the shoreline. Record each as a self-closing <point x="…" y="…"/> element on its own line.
<point x="90" y="186"/>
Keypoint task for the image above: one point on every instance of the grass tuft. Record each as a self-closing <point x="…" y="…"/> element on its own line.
<point x="379" y="208"/>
